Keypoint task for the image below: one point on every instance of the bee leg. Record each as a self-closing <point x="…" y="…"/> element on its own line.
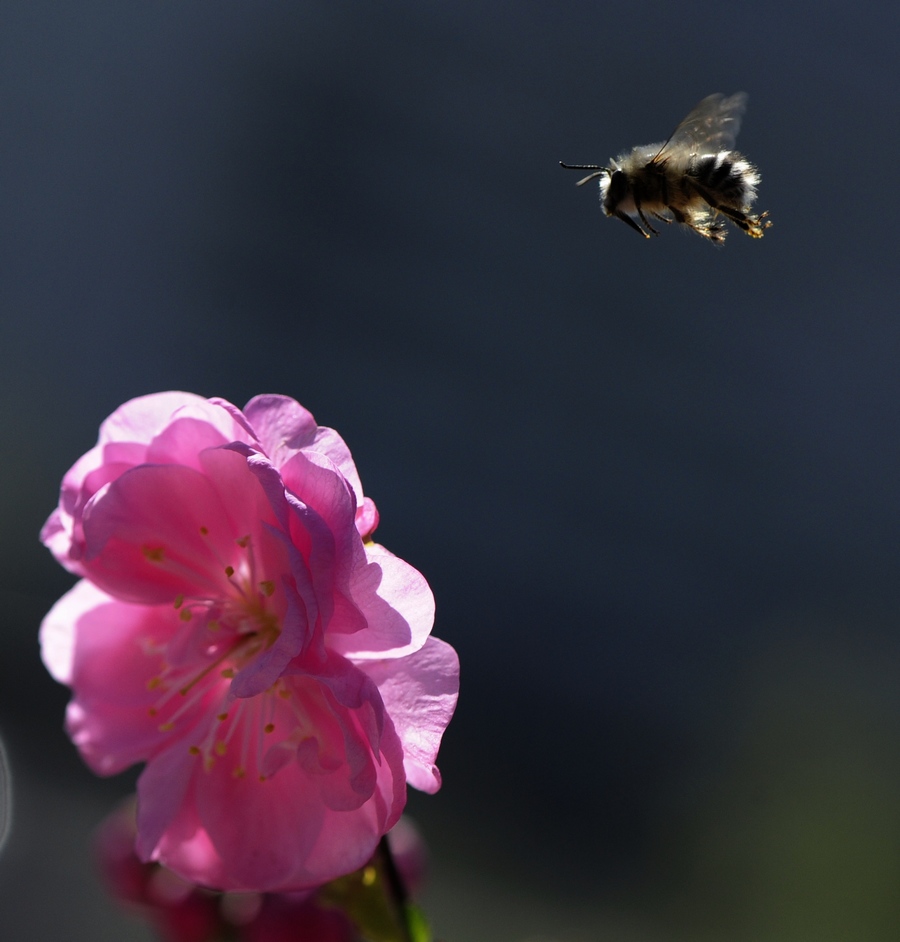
<point x="640" y="212"/>
<point x="665" y="219"/>
<point x="707" y="225"/>
<point x="715" y="232"/>
<point x="647" y="224"/>
<point x="754" y="226"/>
<point x="631" y="222"/>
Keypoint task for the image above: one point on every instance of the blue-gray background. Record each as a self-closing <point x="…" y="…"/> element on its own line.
<point x="655" y="486"/>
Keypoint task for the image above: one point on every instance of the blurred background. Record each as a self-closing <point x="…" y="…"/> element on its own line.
<point x="655" y="485"/>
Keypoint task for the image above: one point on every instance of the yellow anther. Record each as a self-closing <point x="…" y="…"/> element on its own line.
<point x="369" y="875"/>
<point x="166" y="727"/>
<point x="153" y="554"/>
<point x="239" y="772"/>
<point x="194" y="750"/>
<point x="221" y="748"/>
<point x="185" y="614"/>
<point x="213" y="625"/>
<point x="153" y="683"/>
<point x="268" y="588"/>
<point x="228" y="673"/>
<point x="269" y="727"/>
<point x="179" y="601"/>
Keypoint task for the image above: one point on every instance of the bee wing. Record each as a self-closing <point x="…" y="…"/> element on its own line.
<point x="711" y="127"/>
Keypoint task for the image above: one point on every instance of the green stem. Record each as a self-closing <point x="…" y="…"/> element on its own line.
<point x="397" y="888"/>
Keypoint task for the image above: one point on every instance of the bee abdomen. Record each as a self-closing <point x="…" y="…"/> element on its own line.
<point x="728" y="175"/>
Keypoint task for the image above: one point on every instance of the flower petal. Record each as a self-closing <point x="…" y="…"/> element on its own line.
<point x="398" y="606"/>
<point x="419" y="693"/>
<point x="281" y="425"/>
<point x="99" y="646"/>
<point x="163" y="530"/>
<point x="284" y="428"/>
<point x="143" y="418"/>
<point x="221" y="827"/>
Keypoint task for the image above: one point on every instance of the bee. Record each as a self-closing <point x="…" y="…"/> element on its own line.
<point x="694" y="178"/>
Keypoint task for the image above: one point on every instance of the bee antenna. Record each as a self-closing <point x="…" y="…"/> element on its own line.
<point x="598" y="171"/>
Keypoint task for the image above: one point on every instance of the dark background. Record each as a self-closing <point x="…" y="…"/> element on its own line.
<point x="655" y="486"/>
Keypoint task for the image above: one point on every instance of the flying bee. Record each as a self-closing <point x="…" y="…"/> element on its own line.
<point x="694" y="178"/>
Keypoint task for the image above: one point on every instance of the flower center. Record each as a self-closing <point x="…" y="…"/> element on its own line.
<point x="214" y="639"/>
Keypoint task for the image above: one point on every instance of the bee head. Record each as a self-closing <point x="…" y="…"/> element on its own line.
<point x="613" y="189"/>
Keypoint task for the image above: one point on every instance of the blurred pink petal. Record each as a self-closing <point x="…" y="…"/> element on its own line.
<point x="410" y="855"/>
<point x="179" y="911"/>
<point x="282" y="919"/>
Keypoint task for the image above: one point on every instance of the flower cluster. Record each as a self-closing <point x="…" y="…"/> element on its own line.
<point x="238" y="630"/>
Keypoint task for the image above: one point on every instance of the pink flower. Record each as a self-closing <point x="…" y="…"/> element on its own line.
<point x="237" y="629"/>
